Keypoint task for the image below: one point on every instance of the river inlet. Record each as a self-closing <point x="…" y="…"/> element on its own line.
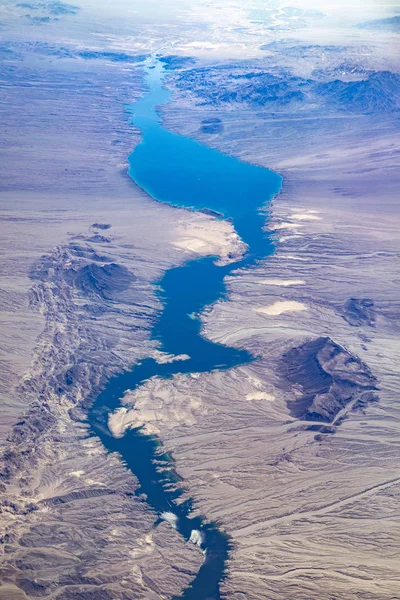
<point x="182" y="172"/>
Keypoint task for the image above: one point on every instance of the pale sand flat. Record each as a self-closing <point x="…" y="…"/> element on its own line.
<point x="122" y="419"/>
<point x="305" y="217"/>
<point x="163" y="358"/>
<point x="292" y="257"/>
<point x="118" y="421"/>
<point x="280" y="307"/>
<point x="170" y="517"/>
<point x="282" y="282"/>
<point x="76" y="473"/>
<point x="208" y="237"/>
<point x="193" y="245"/>
<point x="260" y="396"/>
<point x="286" y="225"/>
<point x="288" y="237"/>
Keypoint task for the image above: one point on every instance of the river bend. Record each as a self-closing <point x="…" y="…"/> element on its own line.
<point x="182" y="172"/>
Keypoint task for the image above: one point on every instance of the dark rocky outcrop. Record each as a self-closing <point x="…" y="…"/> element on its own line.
<point x="279" y="90"/>
<point x="102" y="226"/>
<point x="218" y="86"/>
<point x="378" y="93"/>
<point x="359" y="311"/>
<point x="212" y="125"/>
<point x="91" y="279"/>
<point x="330" y="378"/>
<point x="86" y="251"/>
<point x="99" y="239"/>
<point x="173" y="61"/>
<point x="111" y="56"/>
<point x="104" y="281"/>
<point x="89" y="594"/>
<point x="212" y="213"/>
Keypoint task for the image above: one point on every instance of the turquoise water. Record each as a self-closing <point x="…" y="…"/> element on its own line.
<point x="179" y="171"/>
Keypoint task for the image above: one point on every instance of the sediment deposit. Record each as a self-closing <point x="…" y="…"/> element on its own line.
<point x="296" y="455"/>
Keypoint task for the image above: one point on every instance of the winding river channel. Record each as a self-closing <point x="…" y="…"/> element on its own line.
<point x="182" y="172"/>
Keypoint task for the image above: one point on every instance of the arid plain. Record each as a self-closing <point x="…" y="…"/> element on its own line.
<point x="295" y="455"/>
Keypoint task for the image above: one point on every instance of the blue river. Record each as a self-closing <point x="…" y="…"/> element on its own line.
<point x="182" y="172"/>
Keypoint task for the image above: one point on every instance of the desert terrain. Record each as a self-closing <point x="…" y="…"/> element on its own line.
<point x="296" y="455"/>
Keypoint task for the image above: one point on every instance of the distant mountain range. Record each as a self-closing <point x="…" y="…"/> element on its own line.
<point x="391" y="24"/>
<point x="378" y="92"/>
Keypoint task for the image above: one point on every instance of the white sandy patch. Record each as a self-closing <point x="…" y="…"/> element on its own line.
<point x="171" y="518"/>
<point x="117" y="422"/>
<point x="200" y="246"/>
<point x="94" y="482"/>
<point x="123" y="418"/>
<point x="286" y="225"/>
<point x="260" y="396"/>
<point x="196" y="537"/>
<point x="288" y="237"/>
<point x="283" y="282"/>
<point x="280" y="307"/>
<point x="208" y="237"/>
<point x="77" y="473"/>
<point x="163" y="357"/>
<point x="291" y="257"/>
<point x="305" y="217"/>
<point x="145" y="545"/>
<point x="156" y="402"/>
<point x="204" y="46"/>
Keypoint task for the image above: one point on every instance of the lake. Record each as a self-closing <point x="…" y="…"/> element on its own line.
<point x="180" y="171"/>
